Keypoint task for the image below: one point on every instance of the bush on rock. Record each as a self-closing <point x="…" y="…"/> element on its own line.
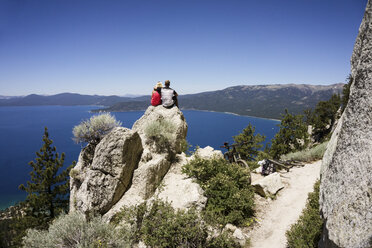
<point x="161" y="132"/>
<point x="93" y="130"/>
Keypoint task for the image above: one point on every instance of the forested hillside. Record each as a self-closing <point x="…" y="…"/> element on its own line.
<point x="267" y="101"/>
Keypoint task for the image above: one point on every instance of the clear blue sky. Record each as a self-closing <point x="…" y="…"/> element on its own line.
<point x="124" y="47"/>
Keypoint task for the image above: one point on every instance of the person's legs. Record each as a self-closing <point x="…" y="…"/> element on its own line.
<point x="176" y="102"/>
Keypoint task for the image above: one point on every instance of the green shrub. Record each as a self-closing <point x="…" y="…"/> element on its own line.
<point x="160" y="132"/>
<point x="73" y="230"/>
<point x="75" y="174"/>
<point x="223" y="240"/>
<point x="230" y="196"/>
<point x="307" y="230"/>
<point x="6" y="232"/>
<point x="185" y="147"/>
<point x="159" y="225"/>
<point x="131" y="218"/>
<point x="165" y="227"/>
<point x="312" y="154"/>
<point x="93" y="130"/>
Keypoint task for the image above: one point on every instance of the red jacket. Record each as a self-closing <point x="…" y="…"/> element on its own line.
<point x="155" y="98"/>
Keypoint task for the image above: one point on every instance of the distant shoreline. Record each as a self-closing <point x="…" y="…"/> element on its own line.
<point x="104" y="111"/>
<point x="230" y="113"/>
<point x="259" y="101"/>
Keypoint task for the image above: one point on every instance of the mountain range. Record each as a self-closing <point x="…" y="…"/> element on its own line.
<point x="66" y="99"/>
<point x="266" y="101"/>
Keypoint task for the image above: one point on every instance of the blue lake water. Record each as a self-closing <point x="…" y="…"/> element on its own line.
<point x="22" y="128"/>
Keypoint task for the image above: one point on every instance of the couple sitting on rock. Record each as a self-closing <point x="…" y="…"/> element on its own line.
<point x="165" y="96"/>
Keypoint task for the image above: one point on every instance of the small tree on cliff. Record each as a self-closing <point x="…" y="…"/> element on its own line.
<point x="292" y="135"/>
<point x="47" y="190"/>
<point x="251" y="143"/>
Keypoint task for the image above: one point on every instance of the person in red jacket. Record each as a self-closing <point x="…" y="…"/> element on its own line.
<point x="156" y="97"/>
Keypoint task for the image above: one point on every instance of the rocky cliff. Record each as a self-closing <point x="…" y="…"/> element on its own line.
<point x="126" y="169"/>
<point x="346" y="176"/>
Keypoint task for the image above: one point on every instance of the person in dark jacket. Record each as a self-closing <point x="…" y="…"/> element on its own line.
<point x="155" y="96"/>
<point x="168" y="96"/>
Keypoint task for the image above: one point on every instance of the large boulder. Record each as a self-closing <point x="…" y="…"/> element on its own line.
<point x="154" y="164"/>
<point x="126" y="167"/>
<point x="269" y="185"/>
<point x="98" y="183"/>
<point x="158" y="113"/>
<point x="146" y="178"/>
<point x="346" y="175"/>
<point x="176" y="184"/>
<point x="208" y="153"/>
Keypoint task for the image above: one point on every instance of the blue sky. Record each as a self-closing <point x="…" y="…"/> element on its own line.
<point x="124" y="47"/>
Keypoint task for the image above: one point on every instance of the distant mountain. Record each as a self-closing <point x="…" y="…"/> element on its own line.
<point x="267" y="101"/>
<point x="67" y="99"/>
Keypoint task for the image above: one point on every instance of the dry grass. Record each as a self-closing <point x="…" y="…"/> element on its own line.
<point x="308" y="155"/>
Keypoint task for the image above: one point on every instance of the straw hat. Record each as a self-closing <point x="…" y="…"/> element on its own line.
<point x="159" y="85"/>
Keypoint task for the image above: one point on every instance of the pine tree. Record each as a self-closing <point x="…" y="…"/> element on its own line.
<point x="250" y="142"/>
<point x="324" y="117"/>
<point x="47" y="191"/>
<point x="292" y="135"/>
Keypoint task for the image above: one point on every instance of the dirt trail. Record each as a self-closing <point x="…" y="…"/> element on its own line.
<point x="280" y="213"/>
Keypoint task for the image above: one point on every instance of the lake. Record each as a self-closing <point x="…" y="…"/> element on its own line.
<point x="22" y="128"/>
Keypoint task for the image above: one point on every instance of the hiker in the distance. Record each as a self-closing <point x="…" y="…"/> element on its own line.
<point x="155" y="96"/>
<point x="168" y="96"/>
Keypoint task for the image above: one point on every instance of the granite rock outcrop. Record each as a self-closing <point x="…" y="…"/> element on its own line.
<point x="97" y="184"/>
<point x="126" y="169"/>
<point x="154" y="164"/>
<point x="346" y="174"/>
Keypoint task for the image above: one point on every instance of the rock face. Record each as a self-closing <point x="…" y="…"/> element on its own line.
<point x="346" y="176"/>
<point x="173" y="115"/>
<point x="102" y="181"/>
<point x="182" y="192"/>
<point x="126" y="169"/>
<point x="153" y="165"/>
<point x="208" y="153"/>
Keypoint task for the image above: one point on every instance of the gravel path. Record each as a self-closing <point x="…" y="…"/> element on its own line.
<point x="275" y="217"/>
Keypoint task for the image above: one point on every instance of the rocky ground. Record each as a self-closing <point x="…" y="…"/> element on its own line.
<point x="274" y="217"/>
